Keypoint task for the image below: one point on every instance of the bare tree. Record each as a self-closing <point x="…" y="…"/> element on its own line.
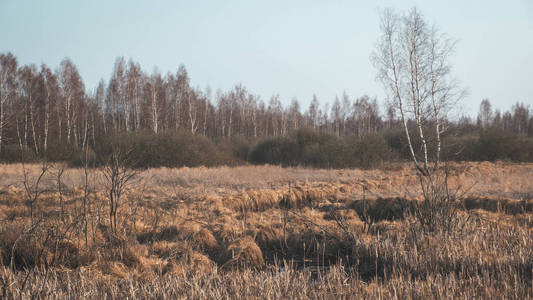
<point x="154" y="86"/>
<point x="192" y="106"/>
<point x="336" y="116"/>
<point x="207" y="102"/>
<point x="275" y="111"/>
<point x="50" y="92"/>
<point x="485" y="114"/>
<point x="231" y="102"/>
<point x="8" y="70"/>
<point x="413" y="62"/>
<point x="72" y="90"/>
<point x="294" y="114"/>
<point x="101" y="104"/>
<point x="365" y="115"/>
<point x="390" y="114"/>
<point x="134" y="88"/>
<point x="520" y="118"/>
<point x="181" y="90"/>
<point x="323" y="117"/>
<point x="345" y="111"/>
<point x="118" y="175"/>
<point x="29" y="97"/>
<point x="312" y="113"/>
<point x="31" y="185"/>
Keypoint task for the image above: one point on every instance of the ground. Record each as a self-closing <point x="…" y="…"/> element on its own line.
<point x="267" y="232"/>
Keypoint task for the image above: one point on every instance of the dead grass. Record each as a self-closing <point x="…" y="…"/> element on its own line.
<point x="269" y="232"/>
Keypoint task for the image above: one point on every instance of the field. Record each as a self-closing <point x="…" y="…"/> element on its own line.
<point x="266" y="232"/>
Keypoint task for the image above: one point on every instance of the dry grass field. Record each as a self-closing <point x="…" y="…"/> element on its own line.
<point x="265" y="232"/>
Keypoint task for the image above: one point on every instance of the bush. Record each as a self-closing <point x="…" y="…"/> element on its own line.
<point x="493" y="145"/>
<point x="323" y="150"/>
<point x="372" y="151"/>
<point x="397" y="142"/>
<point x="496" y="144"/>
<point x="238" y="146"/>
<point x="305" y="147"/>
<point x="278" y="151"/>
<point x="11" y="153"/>
<point x="176" y="149"/>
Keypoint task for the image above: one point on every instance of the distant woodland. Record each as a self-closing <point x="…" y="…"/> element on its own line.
<point x="162" y="120"/>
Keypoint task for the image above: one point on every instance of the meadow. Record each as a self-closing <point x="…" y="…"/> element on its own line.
<point x="251" y="232"/>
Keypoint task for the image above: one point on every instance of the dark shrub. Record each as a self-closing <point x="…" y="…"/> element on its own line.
<point x="495" y="144"/>
<point x="11" y="153"/>
<point x="238" y="146"/>
<point x="323" y="150"/>
<point x="171" y="149"/>
<point x="279" y="151"/>
<point x="372" y="151"/>
<point x="461" y="148"/>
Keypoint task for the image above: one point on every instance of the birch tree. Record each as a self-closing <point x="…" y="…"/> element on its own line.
<point x="8" y="70"/>
<point x="345" y="111"/>
<point x="312" y="113"/>
<point x="413" y="63"/>
<point x="520" y="118"/>
<point x="72" y="93"/>
<point x="336" y="115"/>
<point x="192" y="108"/>
<point x="50" y="93"/>
<point x="154" y="86"/>
<point x="134" y="88"/>
<point x="101" y="103"/>
<point x="294" y="115"/>
<point x="207" y="102"/>
<point x="182" y="90"/>
<point x="29" y="85"/>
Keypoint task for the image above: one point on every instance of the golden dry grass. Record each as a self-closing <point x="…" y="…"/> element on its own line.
<point x="268" y="232"/>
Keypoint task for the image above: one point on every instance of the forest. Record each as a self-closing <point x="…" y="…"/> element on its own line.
<point x="163" y="120"/>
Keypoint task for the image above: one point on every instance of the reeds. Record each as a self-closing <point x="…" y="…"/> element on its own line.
<point x="299" y="234"/>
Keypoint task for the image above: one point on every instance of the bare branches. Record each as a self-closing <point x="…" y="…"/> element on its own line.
<point x="32" y="189"/>
<point x="8" y="70"/>
<point x="413" y="64"/>
<point x="118" y="175"/>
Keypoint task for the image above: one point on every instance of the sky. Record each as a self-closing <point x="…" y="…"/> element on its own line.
<point x="291" y="48"/>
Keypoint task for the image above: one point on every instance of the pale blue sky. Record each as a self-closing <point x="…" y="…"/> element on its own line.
<point x="294" y="48"/>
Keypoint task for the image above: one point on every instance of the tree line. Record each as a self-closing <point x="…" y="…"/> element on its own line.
<point x="46" y="112"/>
